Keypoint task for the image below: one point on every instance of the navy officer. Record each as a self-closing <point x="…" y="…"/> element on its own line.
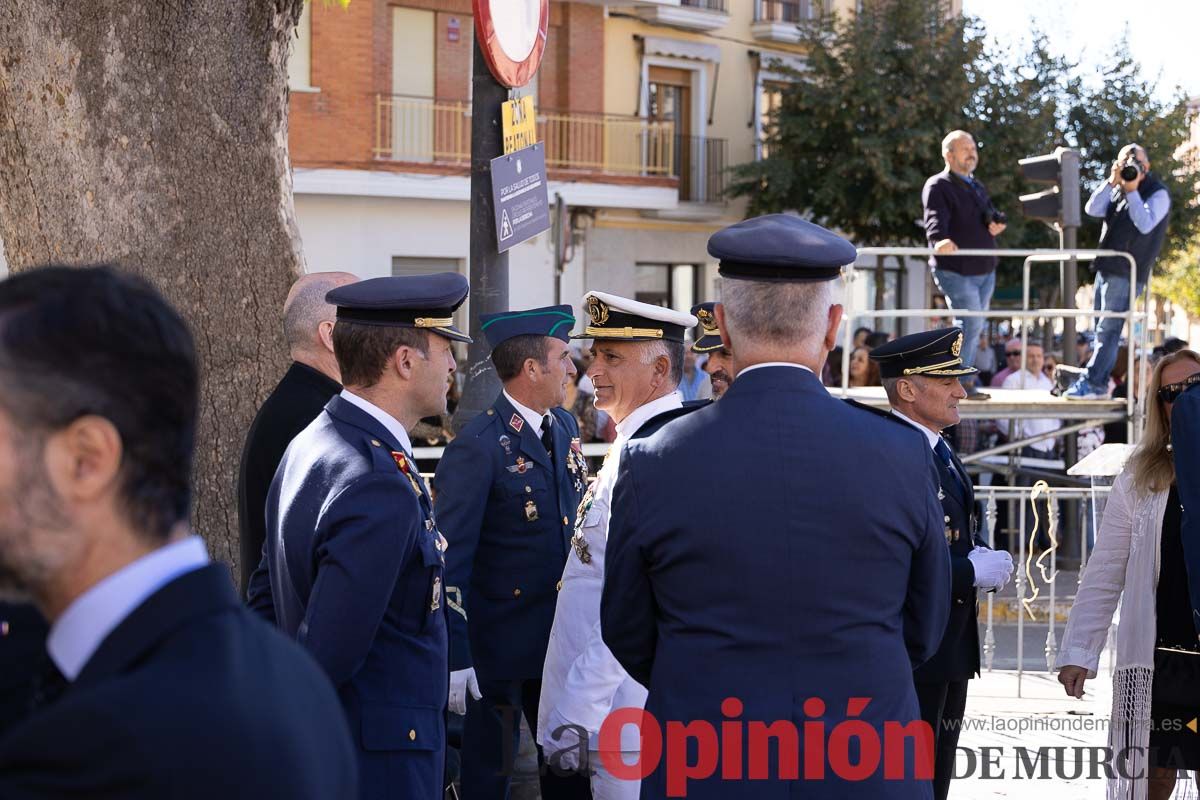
<point x="817" y="614"/>
<point x="921" y="374"/>
<point x="354" y="562"/>
<point x="507" y="489"/>
<point x="638" y="362"/>
<point x="719" y="361"/>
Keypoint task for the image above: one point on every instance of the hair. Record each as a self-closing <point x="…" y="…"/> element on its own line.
<point x="777" y="313"/>
<point x="872" y="378"/>
<point x="306" y="308"/>
<point x="510" y="355"/>
<point x="889" y="388"/>
<point x="94" y="341"/>
<point x="876" y="339"/>
<point x="862" y="329"/>
<point x="672" y="351"/>
<point x="362" y="351"/>
<point x="1151" y="464"/>
<point x="952" y="137"/>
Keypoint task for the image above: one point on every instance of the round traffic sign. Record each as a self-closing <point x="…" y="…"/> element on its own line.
<point x="512" y="36"/>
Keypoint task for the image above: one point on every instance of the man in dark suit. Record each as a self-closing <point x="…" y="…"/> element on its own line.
<point x="959" y="215"/>
<point x="921" y="374"/>
<point x="507" y="489"/>
<point x="303" y="391"/>
<point x="827" y="580"/>
<point x="354" y="565"/>
<point x="718" y="361"/>
<point x="159" y="683"/>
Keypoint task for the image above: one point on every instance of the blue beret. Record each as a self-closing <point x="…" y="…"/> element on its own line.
<point x="709" y="336"/>
<point x="780" y="247"/>
<point x="416" y="301"/>
<point x="555" y="321"/>
<point x="926" y="353"/>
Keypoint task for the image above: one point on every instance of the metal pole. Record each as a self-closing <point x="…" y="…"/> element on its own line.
<point x="560" y="234"/>
<point x="489" y="268"/>
<point x="1069" y="235"/>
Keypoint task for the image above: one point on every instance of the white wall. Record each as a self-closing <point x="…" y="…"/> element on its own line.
<point x="362" y="234"/>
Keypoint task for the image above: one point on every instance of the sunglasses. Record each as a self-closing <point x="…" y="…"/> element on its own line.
<point x="1012" y="355"/>
<point x="1170" y="393"/>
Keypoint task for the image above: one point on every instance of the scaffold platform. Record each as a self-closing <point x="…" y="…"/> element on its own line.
<point x="1008" y="404"/>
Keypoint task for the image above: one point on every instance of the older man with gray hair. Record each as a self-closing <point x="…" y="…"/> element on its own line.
<point x="638" y="363"/>
<point x="311" y="380"/>
<point x="820" y="579"/>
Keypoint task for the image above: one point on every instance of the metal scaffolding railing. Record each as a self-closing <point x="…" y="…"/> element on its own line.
<point x="1025" y="313"/>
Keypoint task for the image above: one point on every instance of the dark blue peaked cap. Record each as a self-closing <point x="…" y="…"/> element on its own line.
<point x="780" y="247"/>
<point x="417" y="301"/>
<point x="927" y="353"/>
<point x="556" y="321"/>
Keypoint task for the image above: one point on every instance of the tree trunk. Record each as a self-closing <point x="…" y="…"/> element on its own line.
<point x="153" y="136"/>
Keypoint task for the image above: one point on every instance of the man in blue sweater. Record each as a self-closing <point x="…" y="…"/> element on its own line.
<point x="959" y="215"/>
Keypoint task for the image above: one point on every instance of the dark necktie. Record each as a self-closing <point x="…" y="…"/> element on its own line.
<point x="547" y="439"/>
<point x="943" y="451"/>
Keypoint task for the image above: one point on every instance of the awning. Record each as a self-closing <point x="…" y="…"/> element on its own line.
<point x="773" y="64"/>
<point x="682" y="48"/>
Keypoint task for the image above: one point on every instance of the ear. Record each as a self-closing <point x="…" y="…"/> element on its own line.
<point x="84" y="459"/>
<point x="906" y="390"/>
<point x="831" y="329"/>
<point x="719" y="313"/>
<point x="532" y="369"/>
<point x="325" y="334"/>
<point x="402" y="361"/>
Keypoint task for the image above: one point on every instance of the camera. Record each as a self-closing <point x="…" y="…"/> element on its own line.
<point x="1131" y="169"/>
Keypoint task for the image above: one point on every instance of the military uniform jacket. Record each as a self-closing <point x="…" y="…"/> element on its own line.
<point x="776" y="546"/>
<point x="356" y="566"/>
<point x="508" y="511"/>
<point x="957" y="658"/>
<point x="581" y="681"/>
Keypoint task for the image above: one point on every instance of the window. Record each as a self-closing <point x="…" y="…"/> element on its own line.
<point x="668" y="285"/>
<point x="770" y="100"/>
<point x="300" y="59"/>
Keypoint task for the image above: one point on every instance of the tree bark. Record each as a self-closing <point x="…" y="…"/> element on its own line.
<point x="152" y="135"/>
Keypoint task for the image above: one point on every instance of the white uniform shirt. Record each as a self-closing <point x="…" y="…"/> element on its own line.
<point x="1024" y="379"/>
<point x="581" y="680"/>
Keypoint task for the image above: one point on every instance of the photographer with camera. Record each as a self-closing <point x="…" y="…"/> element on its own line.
<point x="960" y="215"/>
<point x="1134" y="205"/>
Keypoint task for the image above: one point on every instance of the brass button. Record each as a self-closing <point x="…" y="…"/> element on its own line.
<point x="516" y="592"/>
<point x="376" y="443"/>
<point x="528" y="489"/>
<point x="491" y="412"/>
<point x="558" y="586"/>
<point x="412" y="735"/>
<point x="959" y="601"/>
<point x="566" y="521"/>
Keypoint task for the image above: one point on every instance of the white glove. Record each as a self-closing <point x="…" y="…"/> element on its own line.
<point x="460" y="681"/>
<point x="992" y="567"/>
<point x="563" y="753"/>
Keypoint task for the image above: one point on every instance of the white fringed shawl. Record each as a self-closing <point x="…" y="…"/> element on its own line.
<point x="1124" y="567"/>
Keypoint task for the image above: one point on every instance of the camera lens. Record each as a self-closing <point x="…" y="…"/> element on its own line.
<point x="1129" y="172"/>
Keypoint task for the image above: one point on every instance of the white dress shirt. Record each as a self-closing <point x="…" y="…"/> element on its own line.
<point x="78" y="633"/>
<point x="581" y="680"/>
<point x="753" y="367"/>
<point x="1024" y="379"/>
<point x="385" y="419"/>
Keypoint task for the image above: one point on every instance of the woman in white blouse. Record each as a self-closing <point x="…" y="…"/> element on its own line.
<point x="1138" y="560"/>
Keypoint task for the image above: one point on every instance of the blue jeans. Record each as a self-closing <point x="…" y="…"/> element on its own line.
<point x="1112" y="294"/>
<point x="973" y="293"/>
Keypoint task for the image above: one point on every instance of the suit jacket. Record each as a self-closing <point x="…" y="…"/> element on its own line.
<point x="954" y="210"/>
<point x="300" y="395"/>
<point x="508" y="511"/>
<point x="354" y="570"/>
<point x="188" y="697"/>
<point x="777" y="546"/>
<point x="22" y="649"/>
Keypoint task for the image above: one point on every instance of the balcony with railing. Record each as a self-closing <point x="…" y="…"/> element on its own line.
<point x="780" y="20"/>
<point x="422" y="130"/>
<point x="693" y="15"/>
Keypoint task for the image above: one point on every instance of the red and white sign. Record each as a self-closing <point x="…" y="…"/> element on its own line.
<point x="512" y="36"/>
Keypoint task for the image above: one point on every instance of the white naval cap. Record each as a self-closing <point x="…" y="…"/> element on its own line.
<point x="613" y="317"/>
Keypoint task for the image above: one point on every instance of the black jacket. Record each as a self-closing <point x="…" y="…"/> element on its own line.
<point x="954" y="210"/>
<point x="296" y="401"/>
<point x="189" y="697"/>
<point x="22" y="649"/>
